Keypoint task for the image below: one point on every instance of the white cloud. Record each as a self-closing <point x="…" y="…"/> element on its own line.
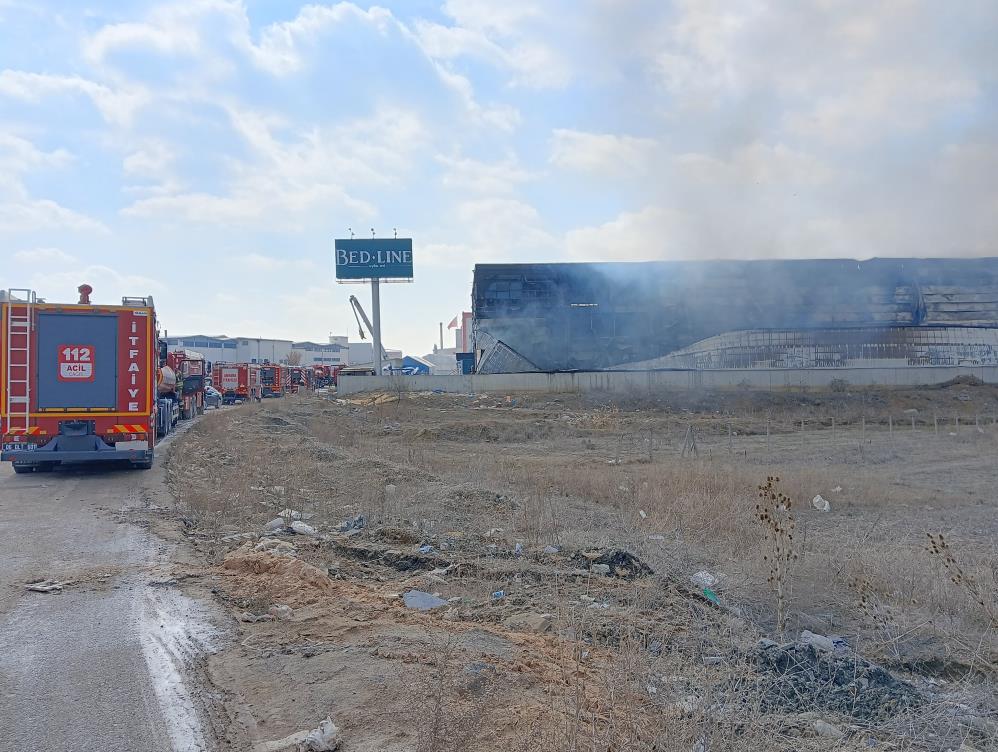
<point x="19" y="155"/>
<point x="285" y="179"/>
<point x="489" y="178"/>
<point x="152" y="159"/>
<point x="117" y="106"/>
<point x="27" y="215"/>
<point x="603" y="154"/>
<point x="33" y="256"/>
<point x="170" y="38"/>
<point x="279" y="49"/>
<point x="504" y="229"/>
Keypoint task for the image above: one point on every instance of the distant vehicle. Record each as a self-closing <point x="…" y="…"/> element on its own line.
<point x="274" y="379"/>
<point x="212" y="397"/>
<point x="182" y="380"/>
<point x="238" y="382"/>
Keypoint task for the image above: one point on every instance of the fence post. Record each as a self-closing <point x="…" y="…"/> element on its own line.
<point x="890" y="425"/>
<point x="935" y="423"/>
<point x="769" y="446"/>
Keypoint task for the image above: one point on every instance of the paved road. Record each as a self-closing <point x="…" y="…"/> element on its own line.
<point x="97" y="666"/>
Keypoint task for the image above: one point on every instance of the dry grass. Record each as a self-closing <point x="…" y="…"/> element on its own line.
<point x="657" y="668"/>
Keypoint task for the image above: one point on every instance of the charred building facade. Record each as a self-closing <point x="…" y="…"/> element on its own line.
<point x="718" y="314"/>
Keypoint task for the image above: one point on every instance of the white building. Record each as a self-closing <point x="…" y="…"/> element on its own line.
<point x="258" y="350"/>
<point x="363" y="352"/>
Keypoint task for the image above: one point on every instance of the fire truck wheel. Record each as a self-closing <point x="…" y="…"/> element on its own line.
<point x="147" y="465"/>
<point x="21" y="469"/>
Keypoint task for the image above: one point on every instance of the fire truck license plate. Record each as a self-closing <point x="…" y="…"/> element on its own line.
<point x="76" y="363"/>
<point x="18" y="447"/>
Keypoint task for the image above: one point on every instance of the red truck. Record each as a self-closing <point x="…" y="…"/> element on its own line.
<point x="322" y="376"/>
<point x="183" y="381"/>
<point x="238" y="382"/>
<point x="77" y="381"/>
<point x="299" y="379"/>
<point x="274" y="380"/>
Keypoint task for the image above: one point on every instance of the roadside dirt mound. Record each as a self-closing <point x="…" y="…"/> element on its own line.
<point x="291" y="574"/>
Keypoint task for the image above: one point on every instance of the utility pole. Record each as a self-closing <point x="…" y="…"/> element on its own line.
<point x="376" y="328"/>
<point x="441" y="335"/>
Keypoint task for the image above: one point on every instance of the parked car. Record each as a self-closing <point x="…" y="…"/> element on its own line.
<point x="212" y="397"/>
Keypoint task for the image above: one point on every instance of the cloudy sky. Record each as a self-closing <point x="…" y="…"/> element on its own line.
<point x="208" y="151"/>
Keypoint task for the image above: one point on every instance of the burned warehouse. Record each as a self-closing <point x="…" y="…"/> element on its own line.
<point x="735" y="314"/>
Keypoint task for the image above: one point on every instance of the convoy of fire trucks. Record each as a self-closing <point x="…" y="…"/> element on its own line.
<point x="82" y="382"/>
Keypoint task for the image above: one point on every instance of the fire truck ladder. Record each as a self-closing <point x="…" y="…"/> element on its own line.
<point x="18" y="358"/>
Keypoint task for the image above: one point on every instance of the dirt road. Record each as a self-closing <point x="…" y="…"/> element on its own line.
<point x="98" y="665"/>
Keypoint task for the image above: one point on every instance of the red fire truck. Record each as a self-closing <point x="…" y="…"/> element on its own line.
<point x="237" y="382"/>
<point x="322" y="376"/>
<point x="274" y="379"/>
<point x="77" y="381"/>
<point x="299" y="379"/>
<point x="183" y="381"/>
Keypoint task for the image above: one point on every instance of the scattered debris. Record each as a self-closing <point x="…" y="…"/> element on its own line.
<point x="601" y="569"/>
<point x="325" y="738"/>
<point x="621" y="563"/>
<point x="422" y="601"/>
<point x="711" y="596"/>
<point x="837" y="489"/>
<point x="291" y="514"/>
<point x="281" y="612"/>
<point x="689" y="705"/>
<point x="820" y="642"/>
<point x="824" y="728"/>
<point x="820" y="503"/>
<point x="498" y="595"/>
<point x="250" y="618"/>
<point x="529" y="622"/>
<point x="804" y="677"/>
<point x="302" y="528"/>
<point x="704" y="579"/>
<point x="278" y="523"/>
<point x="552" y="549"/>
<point x="45" y="586"/>
<point x="355" y="523"/>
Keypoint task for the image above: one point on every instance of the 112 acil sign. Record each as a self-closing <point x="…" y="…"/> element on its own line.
<point x="373" y="258"/>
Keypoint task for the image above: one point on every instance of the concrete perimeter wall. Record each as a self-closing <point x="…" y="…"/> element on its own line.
<point x="647" y="381"/>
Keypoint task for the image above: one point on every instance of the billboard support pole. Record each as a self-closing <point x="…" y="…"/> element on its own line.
<point x="376" y="314"/>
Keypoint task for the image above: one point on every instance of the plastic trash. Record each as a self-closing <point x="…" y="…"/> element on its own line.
<point x="421" y="601"/>
<point x="820" y="503"/>
<point x="704" y="579"/>
<point x="711" y="596"/>
<point x="498" y="595"/>
<point x="325" y="738"/>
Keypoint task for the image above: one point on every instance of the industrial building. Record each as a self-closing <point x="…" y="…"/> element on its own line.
<point x="220" y="348"/>
<point x="728" y="314"/>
